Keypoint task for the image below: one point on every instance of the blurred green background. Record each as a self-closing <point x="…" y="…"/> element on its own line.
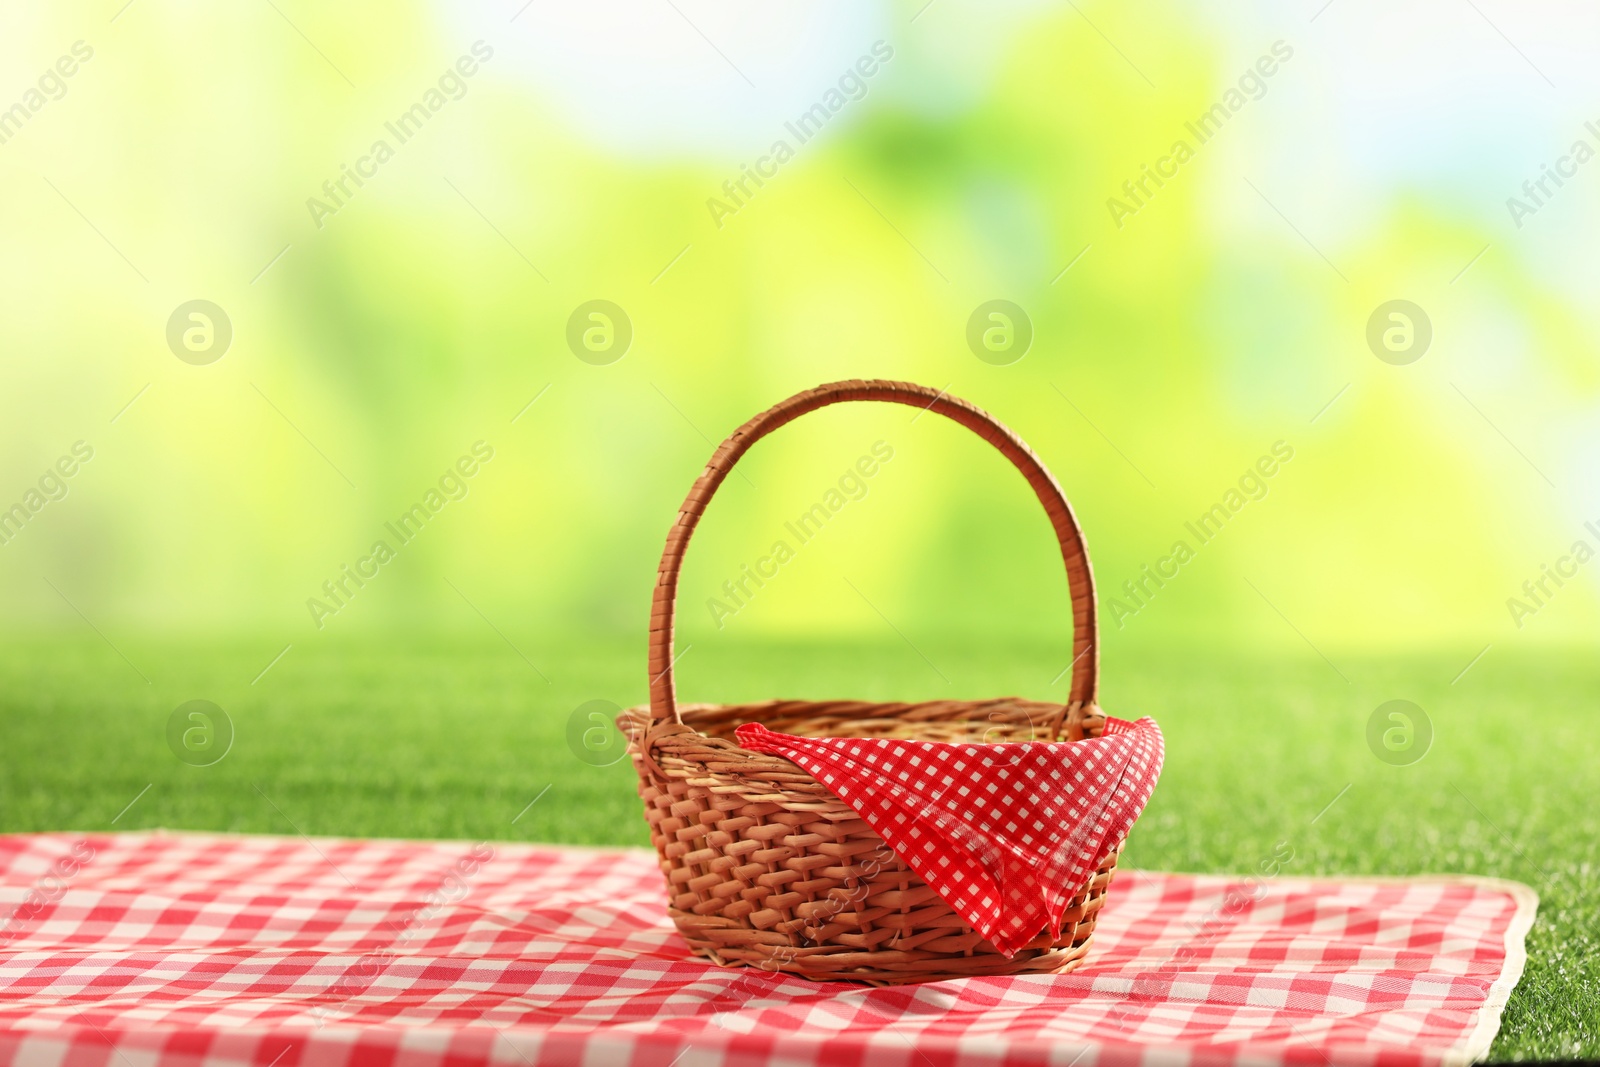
<point x="535" y="160"/>
<point x="577" y="165"/>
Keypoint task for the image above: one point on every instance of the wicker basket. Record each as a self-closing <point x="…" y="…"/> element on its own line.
<point x="767" y="868"/>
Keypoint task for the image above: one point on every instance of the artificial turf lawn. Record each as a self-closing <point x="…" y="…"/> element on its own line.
<point x="444" y="740"/>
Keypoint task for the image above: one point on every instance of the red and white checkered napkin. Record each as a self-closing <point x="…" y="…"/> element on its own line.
<point x="1007" y="834"/>
<point x="202" y="950"/>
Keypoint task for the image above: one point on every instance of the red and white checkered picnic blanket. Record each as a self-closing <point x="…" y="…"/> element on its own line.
<point x="1007" y="834"/>
<point x="198" y="950"/>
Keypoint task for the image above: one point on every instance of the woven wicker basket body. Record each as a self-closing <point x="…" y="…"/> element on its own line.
<point x="765" y="867"/>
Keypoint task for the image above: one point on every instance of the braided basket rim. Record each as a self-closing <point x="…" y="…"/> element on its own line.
<point x="686" y="753"/>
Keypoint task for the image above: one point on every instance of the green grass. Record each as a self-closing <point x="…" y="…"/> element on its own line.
<point x="447" y="740"/>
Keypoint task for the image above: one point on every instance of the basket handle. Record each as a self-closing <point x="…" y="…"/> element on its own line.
<point x="1080" y="580"/>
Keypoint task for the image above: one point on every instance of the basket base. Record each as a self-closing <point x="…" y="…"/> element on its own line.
<point x="884" y="966"/>
<point x="944" y="948"/>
